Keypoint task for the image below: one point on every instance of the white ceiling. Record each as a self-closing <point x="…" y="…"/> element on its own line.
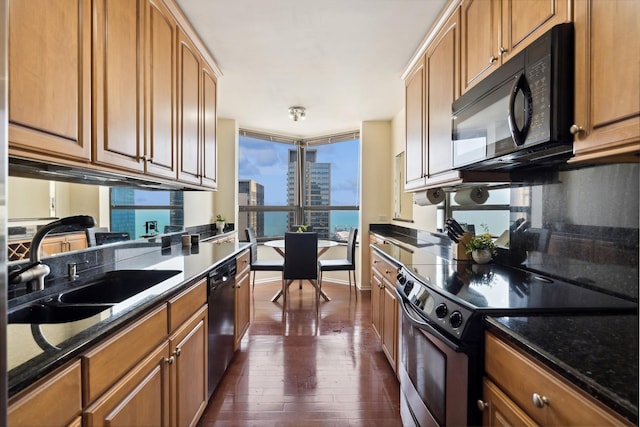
<point x="340" y="59"/>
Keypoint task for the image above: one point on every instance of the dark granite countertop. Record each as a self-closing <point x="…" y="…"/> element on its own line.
<point x="27" y="361"/>
<point x="599" y="354"/>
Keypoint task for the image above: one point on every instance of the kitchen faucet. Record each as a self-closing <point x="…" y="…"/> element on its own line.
<point x="36" y="271"/>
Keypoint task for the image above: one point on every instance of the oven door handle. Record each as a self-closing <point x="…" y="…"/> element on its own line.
<point x="407" y="309"/>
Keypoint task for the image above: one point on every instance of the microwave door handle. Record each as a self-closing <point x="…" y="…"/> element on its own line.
<point x="520" y="135"/>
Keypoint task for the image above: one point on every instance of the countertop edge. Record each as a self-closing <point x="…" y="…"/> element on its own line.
<point x="587" y="385"/>
<point x="24" y="375"/>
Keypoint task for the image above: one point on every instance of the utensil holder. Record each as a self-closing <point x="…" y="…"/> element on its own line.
<point x="459" y="250"/>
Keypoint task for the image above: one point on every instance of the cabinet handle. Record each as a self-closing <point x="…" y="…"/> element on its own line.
<point x="576" y="129"/>
<point x="170" y="360"/>
<point x="482" y="405"/>
<point x="539" y="401"/>
<point x="177" y="352"/>
<point x="492" y="59"/>
<point x="503" y="51"/>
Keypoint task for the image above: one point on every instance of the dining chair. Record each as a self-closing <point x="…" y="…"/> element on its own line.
<point x="300" y="260"/>
<point x="347" y="264"/>
<point x="256" y="264"/>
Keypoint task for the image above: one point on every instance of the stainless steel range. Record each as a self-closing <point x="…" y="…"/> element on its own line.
<point x="443" y="303"/>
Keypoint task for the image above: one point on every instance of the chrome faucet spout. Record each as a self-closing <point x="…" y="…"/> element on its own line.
<point x="77" y="222"/>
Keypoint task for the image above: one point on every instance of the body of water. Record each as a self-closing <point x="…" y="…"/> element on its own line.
<point x="276" y="223"/>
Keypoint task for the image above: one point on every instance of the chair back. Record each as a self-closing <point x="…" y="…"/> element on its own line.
<point x="253" y="242"/>
<point x="351" y="247"/>
<point x="300" y="256"/>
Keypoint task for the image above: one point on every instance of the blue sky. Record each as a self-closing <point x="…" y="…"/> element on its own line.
<point x="266" y="163"/>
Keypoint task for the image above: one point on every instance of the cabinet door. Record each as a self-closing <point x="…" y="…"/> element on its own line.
<point x="243" y="312"/>
<point x="376" y="286"/>
<point x="160" y="99"/>
<point x="52" y="246"/>
<point x="523" y="21"/>
<point x="118" y="82"/>
<point x="443" y="87"/>
<point x="500" y="411"/>
<point x="415" y="155"/>
<point x="53" y="401"/>
<point x="188" y="110"/>
<point x="189" y="370"/>
<point x="390" y="325"/>
<point x="140" y="398"/>
<point x="103" y="365"/>
<point x="480" y="42"/>
<point x="50" y="78"/>
<point x="76" y="242"/>
<point x="607" y="87"/>
<point x="209" y="121"/>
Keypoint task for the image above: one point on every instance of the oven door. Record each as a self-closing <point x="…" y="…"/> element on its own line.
<point x="433" y="374"/>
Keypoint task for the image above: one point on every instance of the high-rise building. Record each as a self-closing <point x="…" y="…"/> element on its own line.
<point x="317" y="190"/>
<point x="251" y="193"/>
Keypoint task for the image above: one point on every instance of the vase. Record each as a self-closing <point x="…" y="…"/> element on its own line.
<point x="220" y="226"/>
<point x="481" y="256"/>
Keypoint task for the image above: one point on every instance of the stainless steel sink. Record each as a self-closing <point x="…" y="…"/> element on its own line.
<point x="115" y="286"/>
<point x="38" y="313"/>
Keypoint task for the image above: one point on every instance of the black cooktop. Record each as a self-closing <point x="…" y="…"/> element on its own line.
<point x="503" y="290"/>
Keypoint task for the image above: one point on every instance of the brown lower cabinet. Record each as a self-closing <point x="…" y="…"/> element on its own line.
<point x="52" y="401"/>
<point x="384" y="306"/>
<point x="243" y="299"/>
<point x="153" y="372"/>
<point x="518" y="390"/>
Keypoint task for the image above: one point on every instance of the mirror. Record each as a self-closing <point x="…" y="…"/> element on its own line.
<point x="141" y="213"/>
<point x="402" y="201"/>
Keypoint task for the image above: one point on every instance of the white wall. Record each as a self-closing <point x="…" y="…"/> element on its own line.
<point x="226" y="198"/>
<point x="424" y="217"/>
<point x="376" y="201"/>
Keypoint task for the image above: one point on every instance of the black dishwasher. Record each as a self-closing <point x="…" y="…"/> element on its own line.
<point x="221" y="300"/>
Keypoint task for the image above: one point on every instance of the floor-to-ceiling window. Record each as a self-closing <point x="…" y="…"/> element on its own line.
<point x="285" y="183"/>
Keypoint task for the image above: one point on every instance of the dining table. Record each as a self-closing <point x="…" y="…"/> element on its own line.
<point x="323" y="246"/>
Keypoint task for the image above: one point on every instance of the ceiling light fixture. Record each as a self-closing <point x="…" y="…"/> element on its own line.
<point x="297" y="113"/>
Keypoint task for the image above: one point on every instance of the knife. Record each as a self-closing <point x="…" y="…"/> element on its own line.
<point x="452" y="236"/>
<point x="456" y="227"/>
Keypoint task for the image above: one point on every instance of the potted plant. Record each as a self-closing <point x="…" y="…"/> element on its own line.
<point x="220" y="222"/>
<point x="482" y="248"/>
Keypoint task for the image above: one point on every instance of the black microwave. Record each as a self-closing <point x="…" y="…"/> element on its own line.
<point x="520" y="115"/>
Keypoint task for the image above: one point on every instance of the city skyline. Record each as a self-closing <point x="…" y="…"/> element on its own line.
<point x="266" y="162"/>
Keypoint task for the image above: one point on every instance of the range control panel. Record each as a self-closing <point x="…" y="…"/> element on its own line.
<point x="443" y="312"/>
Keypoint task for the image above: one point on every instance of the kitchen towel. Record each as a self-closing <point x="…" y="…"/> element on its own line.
<point x="471" y="196"/>
<point x="430" y="197"/>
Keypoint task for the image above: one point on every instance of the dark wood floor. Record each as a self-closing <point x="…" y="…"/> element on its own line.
<point x="296" y="369"/>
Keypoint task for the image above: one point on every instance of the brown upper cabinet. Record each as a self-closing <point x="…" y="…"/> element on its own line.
<point x="494" y="30"/>
<point x="607" y="84"/>
<point x="196" y="115"/>
<point x="118" y="97"/>
<point x="50" y="79"/>
<point x="160" y="97"/>
<point x="430" y="88"/>
<point x="127" y="91"/>
<point x="415" y="149"/>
